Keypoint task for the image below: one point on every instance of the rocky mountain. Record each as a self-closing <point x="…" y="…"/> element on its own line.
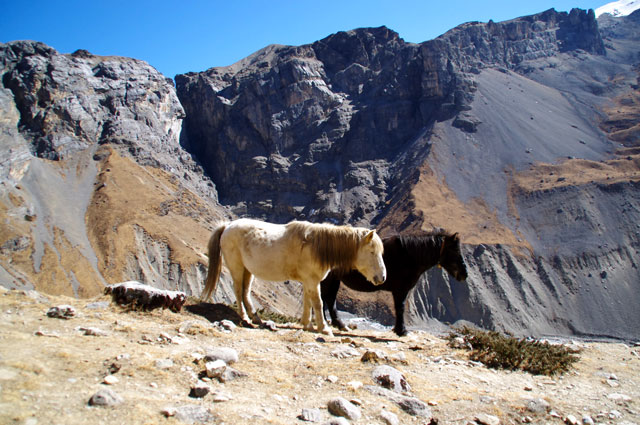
<point x="520" y="135"/>
<point x="496" y="130"/>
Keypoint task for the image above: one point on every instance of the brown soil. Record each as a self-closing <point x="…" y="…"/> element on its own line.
<point x="128" y="195"/>
<point x="431" y="204"/>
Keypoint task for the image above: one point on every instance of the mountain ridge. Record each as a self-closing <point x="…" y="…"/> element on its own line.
<point x="492" y="130"/>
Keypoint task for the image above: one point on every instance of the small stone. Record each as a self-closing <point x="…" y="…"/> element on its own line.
<point x="615" y="414"/>
<point x="231" y="374"/>
<point x="164" y="363"/>
<point x="311" y="415"/>
<point x="61" y="312"/>
<point x="618" y="397"/>
<point x="228" y="325"/>
<point x="389" y="418"/>
<point x="354" y="385"/>
<point x="190" y="414"/>
<point x="110" y="380"/>
<point x="373" y="356"/>
<point x="47" y="333"/>
<point x="93" y="331"/>
<point x="537" y="405"/>
<point x="391" y="378"/>
<point x="227" y="355"/>
<point x="332" y="378"/>
<point x="105" y="397"/>
<point x="587" y="420"/>
<point x="356" y="401"/>
<point x="199" y="390"/>
<point x="400" y="357"/>
<point x="410" y="405"/>
<point x="269" y="324"/>
<point x="345" y="351"/>
<point x="221" y="396"/>
<point x="485" y="419"/>
<point x="342" y="407"/>
<point x="215" y="368"/>
<point x="571" y="420"/>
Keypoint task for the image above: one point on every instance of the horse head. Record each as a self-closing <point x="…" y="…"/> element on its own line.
<point x="451" y="257"/>
<point x="369" y="260"/>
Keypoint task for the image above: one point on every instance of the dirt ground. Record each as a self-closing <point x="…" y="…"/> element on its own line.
<point x="50" y="368"/>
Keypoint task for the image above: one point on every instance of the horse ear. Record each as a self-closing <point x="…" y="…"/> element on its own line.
<point x="369" y="237"/>
<point x="456" y="236"/>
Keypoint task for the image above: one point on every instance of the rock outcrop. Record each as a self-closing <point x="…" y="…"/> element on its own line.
<point x="324" y="130"/>
<point x="96" y="187"/>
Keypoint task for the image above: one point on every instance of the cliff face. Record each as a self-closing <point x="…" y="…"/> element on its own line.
<point x="499" y="131"/>
<point x="492" y="130"/>
<point x="325" y="128"/>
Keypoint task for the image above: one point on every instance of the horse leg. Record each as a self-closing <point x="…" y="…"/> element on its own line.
<point x="399" y="298"/>
<point x="237" y="271"/>
<point x="306" y="309"/>
<point x="247" y="280"/>
<point x="329" y="292"/>
<point x="315" y="301"/>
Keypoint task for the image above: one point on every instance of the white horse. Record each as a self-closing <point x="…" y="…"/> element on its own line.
<point x="299" y="250"/>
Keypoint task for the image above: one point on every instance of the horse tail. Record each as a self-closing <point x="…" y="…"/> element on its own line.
<point x="215" y="262"/>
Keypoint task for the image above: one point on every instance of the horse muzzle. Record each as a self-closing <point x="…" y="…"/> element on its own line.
<point x="379" y="280"/>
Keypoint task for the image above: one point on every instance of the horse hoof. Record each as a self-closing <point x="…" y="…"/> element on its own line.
<point x="402" y="332"/>
<point x="327" y="331"/>
<point x="245" y="323"/>
<point x="343" y="327"/>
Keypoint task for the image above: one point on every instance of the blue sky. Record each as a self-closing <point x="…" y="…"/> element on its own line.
<point x="194" y="35"/>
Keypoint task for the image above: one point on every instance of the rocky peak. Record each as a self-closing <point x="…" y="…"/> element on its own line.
<point x="69" y="102"/>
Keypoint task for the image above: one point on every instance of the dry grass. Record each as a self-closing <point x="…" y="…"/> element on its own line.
<point x="501" y="351"/>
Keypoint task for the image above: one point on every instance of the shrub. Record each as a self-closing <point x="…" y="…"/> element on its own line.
<point x="500" y="351"/>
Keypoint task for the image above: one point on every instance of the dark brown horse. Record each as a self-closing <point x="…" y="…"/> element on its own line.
<point x="406" y="258"/>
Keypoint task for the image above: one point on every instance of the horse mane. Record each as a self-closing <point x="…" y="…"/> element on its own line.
<point x="333" y="246"/>
<point x="423" y="243"/>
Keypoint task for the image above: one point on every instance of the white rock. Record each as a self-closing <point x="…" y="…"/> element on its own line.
<point x="354" y="385"/>
<point x="215" y="368"/>
<point x="332" y="378"/>
<point x="343" y="407"/>
<point x="485" y="419"/>
<point x="110" y="380"/>
<point x="389" y="418"/>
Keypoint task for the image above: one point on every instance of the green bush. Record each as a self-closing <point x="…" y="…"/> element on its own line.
<point x="500" y="351"/>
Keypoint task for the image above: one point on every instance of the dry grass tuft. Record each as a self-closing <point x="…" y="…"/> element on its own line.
<point x="499" y="351"/>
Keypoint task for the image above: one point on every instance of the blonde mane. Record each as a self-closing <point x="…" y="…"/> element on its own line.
<point x="333" y="246"/>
